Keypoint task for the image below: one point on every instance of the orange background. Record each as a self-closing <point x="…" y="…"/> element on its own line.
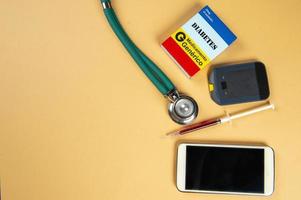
<point x="79" y="120"/>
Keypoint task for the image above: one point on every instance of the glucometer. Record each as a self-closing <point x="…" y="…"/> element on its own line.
<point x="238" y="83"/>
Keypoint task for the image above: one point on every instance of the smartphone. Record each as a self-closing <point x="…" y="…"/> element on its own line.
<point x="238" y="83"/>
<point x="226" y="169"/>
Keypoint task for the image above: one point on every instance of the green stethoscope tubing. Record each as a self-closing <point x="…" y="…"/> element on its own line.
<point x="150" y="69"/>
<point x="182" y="109"/>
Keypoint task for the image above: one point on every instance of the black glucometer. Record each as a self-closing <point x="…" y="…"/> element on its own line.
<point x="238" y="83"/>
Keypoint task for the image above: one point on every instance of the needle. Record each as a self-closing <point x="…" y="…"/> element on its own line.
<point x="221" y="120"/>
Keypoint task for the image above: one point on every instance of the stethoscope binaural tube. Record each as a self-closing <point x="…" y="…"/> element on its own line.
<point x="182" y="109"/>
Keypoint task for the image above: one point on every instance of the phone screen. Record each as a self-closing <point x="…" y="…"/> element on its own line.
<point x="225" y="169"/>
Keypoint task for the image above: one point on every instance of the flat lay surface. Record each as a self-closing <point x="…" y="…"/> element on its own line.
<point x="79" y="120"/>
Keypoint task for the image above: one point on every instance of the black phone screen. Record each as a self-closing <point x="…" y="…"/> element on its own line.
<point x="225" y="169"/>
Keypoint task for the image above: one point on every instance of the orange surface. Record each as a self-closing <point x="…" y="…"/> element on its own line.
<point x="78" y="119"/>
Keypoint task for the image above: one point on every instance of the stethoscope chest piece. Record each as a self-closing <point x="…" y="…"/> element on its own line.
<point x="182" y="109"/>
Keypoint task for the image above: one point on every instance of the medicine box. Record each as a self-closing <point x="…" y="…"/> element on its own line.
<point x="198" y="41"/>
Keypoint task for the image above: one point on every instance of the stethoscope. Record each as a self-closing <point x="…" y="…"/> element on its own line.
<point x="182" y="109"/>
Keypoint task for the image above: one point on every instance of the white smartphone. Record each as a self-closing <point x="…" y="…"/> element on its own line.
<point x="226" y="169"/>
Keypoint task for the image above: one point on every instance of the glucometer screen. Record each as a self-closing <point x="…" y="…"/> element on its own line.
<point x="225" y="169"/>
<point x="240" y="83"/>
